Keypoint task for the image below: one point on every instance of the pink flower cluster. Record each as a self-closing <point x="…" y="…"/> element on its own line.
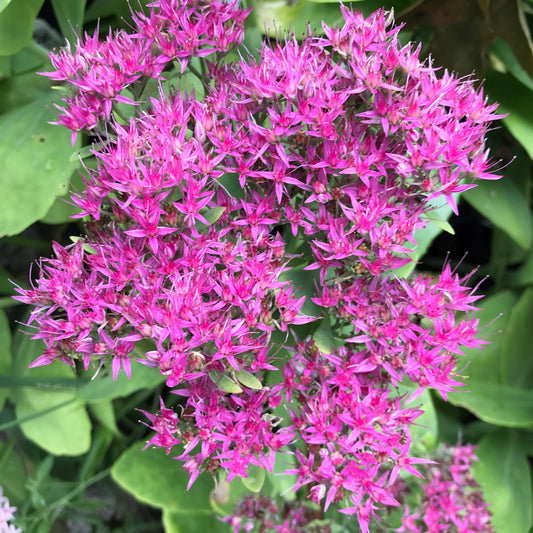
<point x="320" y="156"/>
<point x="7" y="515"/>
<point x="259" y="513"/>
<point x="453" y="500"/>
<point x="98" y="71"/>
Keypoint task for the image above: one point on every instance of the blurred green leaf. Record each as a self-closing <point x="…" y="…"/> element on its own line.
<point x="323" y="336"/>
<point x="502" y="203"/>
<point x="104" y="412"/>
<point x="224" y="496"/>
<point x="120" y="9"/>
<point x="5" y="354"/>
<point x="30" y="59"/>
<point x="502" y="405"/>
<point x="504" y="475"/>
<point x="517" y="349"/>
<point x="23" y="85"/>
<point x="500" y="49"/>
<point x="255" y="478"/>
<point x="248" y="380"/>
<point x="179" y="522"/>
<point x="369" y="6"/>
<point x="507" y="20"/>
<point x="104" y="388"/>
<point x="60" y="212"/>
<point x="515" y="100"/>
<point x="69" y="15"/>
<point x="62" y="209"/>
<point x="12" y="474"/>
<point x="5" y="68"/>
<point x="486" y="365"/>
<point x="523" y="275"/>
<point x="16" y="24"/>
<point x="271" y="16"/>
<point x="62" y="431"/>
<point x="6" y="287"/>
<point x="35" y="165"/>
<point x="158" y="480"/>
<point x="21" y="90"/>
<point x="213" y="214"/>
<point x="225" y="384"/>
<point x="282" y="485"/>
<point x="4" y="4"/>
<point x="304" y="282"/>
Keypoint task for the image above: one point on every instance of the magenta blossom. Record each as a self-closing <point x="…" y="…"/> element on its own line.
<point x="220" y="226"/>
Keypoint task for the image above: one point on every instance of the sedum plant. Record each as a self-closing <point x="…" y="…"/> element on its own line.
<point x="245" y="224"/>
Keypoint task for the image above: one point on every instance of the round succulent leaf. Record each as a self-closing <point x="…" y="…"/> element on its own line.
<point x="505" y="477"/>
<point x="255" y="478"/>
<point x="158" y="480"/>
<point x="248" y="380"/>
<point x="35" y="163"/>
<point x="16" y="24"/>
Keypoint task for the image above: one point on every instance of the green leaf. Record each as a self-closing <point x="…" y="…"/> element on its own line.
<point x="6" y="287"/>
<point x="504" y="475"/>
<point x="65" y="430"/>
<point x="282" y="485"/>
<point x="225" y="496"/>
<point x="158" y="480"/>
<point x="500" y="49"/>
<point x="12" y="473"/>
<point x="224" y="383"/>
<point x="213" y="214"/>
<point x="179" y="522"/>
<point x="108" y="8"/>
<point x="524" y="275"/>
<point x="444" y="225"/>
<point x="35" y="166"/>
<point x="104" y="412"/>
<point x="22" y="90"/>
<point x="515" y="99"/>
<point x="104" y="388"/>
<point x="271" y="16"/>
<point x="517" y="357"/>
<point x="5" y="354"/>
<point x="4" y="4"/>
<point x="16" y="24"/>
<point x="502" y="203"/>
<point x="485" y="365"/>
<point x="369" y="6"/>
<point x="497" y="404"/>
<point x="323" y="336"/>
<point x="255" y="478"/>
<point x="69" y="15"/>
<point x="248" y="380"/>
<point x="62" y="210"/>
<point x="230" y="183"/>
<point x="30" y="59"/>
<point x="304" y="284"/>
